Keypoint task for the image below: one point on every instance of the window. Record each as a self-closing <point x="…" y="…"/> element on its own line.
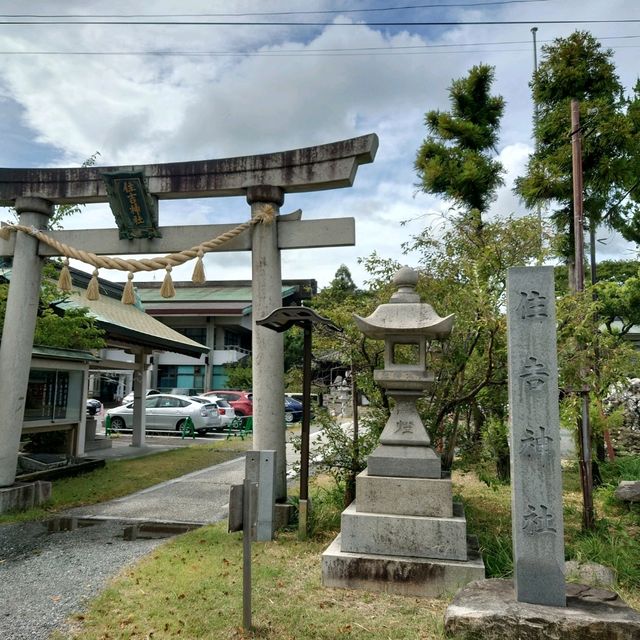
<point x="47" y="395"/>
<point x="231" y="339"/>
<point x="199" y="334"/>
<point x="169" y="403"/>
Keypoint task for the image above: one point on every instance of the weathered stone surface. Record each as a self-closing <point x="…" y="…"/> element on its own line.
<point x="628" y="490"/>
<point x="404" y="462"/>
<point x="536" y="503"/>
<point x="403" y="534"/>
<point x="590" y="573"/>
<point x="413" y="536"/>
<point x="396" y="574"/>
<point x="21" y="496"/>
<point x="327" y="166"/>
<point x="293" y="233"/>
<point x="404" y="496"/>
<point x="488" y="610"/>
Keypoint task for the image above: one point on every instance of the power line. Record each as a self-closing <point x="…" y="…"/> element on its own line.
<point x="386" y="50"/>
<point x="227" y="23"/>
<point x="212" y="54"/>
<point x="440" y="5"/>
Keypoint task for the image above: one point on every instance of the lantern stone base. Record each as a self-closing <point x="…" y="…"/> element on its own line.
<point x="402" y="535"/>
<point x="414" y="536"/>
<point x="404" y="462"/>
<point x="404" y="496"/>
<point x="406" y="576"/>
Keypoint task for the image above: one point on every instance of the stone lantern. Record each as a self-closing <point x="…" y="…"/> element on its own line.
<point x="407" y="327"/>
<point x="403" y="534"/>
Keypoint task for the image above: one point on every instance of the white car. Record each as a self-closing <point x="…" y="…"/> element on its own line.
<point x="225" y="410"/>
<point x="165" y="412"/>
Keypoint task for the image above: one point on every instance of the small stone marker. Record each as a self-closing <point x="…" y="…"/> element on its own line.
<point x="536" y="503"/>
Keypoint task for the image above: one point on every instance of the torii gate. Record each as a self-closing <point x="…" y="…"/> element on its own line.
<point x="262" y="179"/>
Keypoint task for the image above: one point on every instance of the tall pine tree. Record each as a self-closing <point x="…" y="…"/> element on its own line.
<point x="457" y="160"/>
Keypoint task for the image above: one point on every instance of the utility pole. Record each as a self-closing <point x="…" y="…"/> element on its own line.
<point x="578" y="214"/>
<point x="534" y="31"/>
<point x="584" y="428"/>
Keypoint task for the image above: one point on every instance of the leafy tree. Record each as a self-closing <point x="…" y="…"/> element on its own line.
<point x="465" y="269"/>
<point x="239" y="375"/>
<point x="293" y="348"/>
<point x="619" y="304"/>
<point x="589" y="356"/>
<point x="350" y="347"/>
<point x="342" y="285"/>
<point x="578" y="68"/>
<point x="612" y="271"/>
<point x="73" y="329"/>
<point x="468" y="279"/>
<point x="457" y="160"/>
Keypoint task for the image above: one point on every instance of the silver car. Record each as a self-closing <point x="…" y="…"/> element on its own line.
<point x="166" y="412"/>
<point x="225" y="410"/>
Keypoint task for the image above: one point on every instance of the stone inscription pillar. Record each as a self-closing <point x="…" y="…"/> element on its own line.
<point x="268" y="346"/>
<point x="536" y="479"/>
<point x="17" y="335"/>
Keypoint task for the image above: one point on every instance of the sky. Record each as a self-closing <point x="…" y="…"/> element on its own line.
<point x="152" y="93"/>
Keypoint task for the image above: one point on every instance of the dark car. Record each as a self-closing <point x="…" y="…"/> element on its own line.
<point x="93" y="407"/>
<point x="292" y="410"/>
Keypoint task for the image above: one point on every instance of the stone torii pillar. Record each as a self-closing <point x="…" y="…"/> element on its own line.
<point x="262" y="179"/>
<point x="268" y="353"/>
<point x="20" y="315"/>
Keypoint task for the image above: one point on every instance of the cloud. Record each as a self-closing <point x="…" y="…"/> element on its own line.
<point x="263" y="89"/>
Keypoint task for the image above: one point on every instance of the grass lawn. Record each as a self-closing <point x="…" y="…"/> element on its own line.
<point x="191" y="587"/>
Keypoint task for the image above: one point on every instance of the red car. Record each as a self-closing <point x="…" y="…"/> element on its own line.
<point x="241" y="401"/>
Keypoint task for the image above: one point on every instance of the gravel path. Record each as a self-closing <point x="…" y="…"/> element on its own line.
<point x="45" y="577"/>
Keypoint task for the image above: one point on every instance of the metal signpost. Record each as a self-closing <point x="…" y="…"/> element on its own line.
<point x="251" y="511"/>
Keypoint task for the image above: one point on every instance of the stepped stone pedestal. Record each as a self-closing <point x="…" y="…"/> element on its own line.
<point x="403" y="534"/>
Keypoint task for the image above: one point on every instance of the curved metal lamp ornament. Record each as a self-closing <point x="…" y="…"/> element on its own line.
<point x="405" y="323"/>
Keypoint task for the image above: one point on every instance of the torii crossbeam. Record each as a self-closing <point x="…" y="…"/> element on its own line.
<point x="262" y="179"/>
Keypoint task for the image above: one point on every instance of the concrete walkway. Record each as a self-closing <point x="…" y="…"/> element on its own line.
<point x="201" y="497"/>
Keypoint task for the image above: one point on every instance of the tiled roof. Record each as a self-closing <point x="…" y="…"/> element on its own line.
<point x="129" y="323"/>
<point x="204" y="294"/>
